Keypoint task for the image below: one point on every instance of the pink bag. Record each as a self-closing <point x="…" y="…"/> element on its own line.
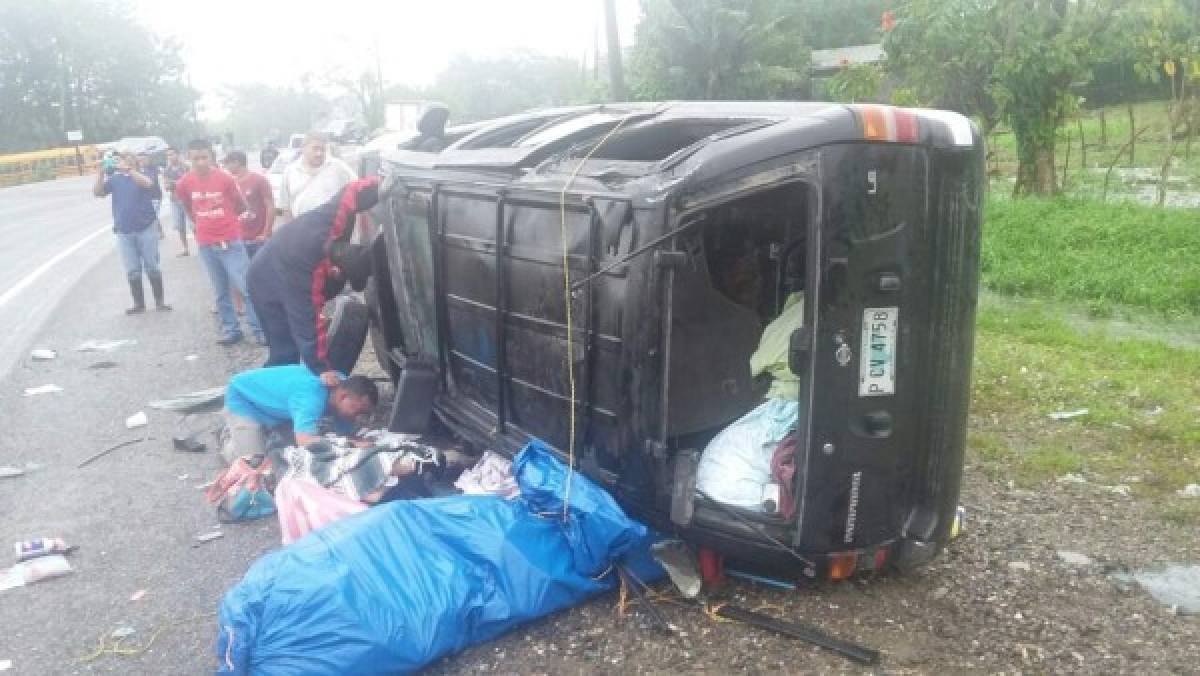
<point x="304" y="506"/>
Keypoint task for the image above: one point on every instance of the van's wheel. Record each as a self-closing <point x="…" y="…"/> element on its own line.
<point x="347" y="333"/>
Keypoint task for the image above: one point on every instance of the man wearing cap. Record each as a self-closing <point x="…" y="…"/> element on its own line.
<point x="302" y="266"/>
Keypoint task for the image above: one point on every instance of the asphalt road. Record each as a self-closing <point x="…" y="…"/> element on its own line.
<point x="135" y="513"/>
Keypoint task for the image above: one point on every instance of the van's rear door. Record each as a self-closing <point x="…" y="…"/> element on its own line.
<point x="868" y="308"/>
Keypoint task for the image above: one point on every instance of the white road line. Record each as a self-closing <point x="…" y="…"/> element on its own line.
<point x="44" y="267"/>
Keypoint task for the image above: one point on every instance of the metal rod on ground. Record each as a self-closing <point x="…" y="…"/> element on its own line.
<point x="636" y="585"/>
<point x="110" y="449"/>
<point x="851" y="651"/>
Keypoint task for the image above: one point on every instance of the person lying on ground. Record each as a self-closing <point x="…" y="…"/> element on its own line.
<point x="301" y="267"/>
<point x="260" y="400"/>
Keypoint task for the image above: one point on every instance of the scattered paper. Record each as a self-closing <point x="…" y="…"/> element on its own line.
<point x="41" y="389"/>
<point x="1067" y="415"/>
<point x="5" y="665"/>
<point x="104" y="345"/>
<point x="191" y="357"/>
<point x="209" y="537"/>
<point x="137" y="595"/>
<point x="123" y="632"/>
<point x="42" y="354"/>
<point x="182" y="477"/>
<point x="1189" y="491"/>
<point x="139" y="419"/>
<point x="10" y="472"/>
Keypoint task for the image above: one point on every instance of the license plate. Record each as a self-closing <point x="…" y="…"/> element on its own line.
<point x="877" y="370"/>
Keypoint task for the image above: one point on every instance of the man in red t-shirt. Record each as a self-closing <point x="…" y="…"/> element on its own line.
<point x="213" y="199"/>
<point x="257" y="191"/>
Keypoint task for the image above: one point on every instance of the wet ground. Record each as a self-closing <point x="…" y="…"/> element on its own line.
<point x="1000" y="599"/>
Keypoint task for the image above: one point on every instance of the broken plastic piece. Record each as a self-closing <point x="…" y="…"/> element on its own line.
<point x="191" y="357"/>
<point x="103" y="365"/>
<point x="211" y="399"/>
<point x="209" y="537"/>
<point x="34" y="570"/>
<point x="10" y="472"/>
<point x="43" y="354"/>
<point x="1177" y="587"/>
<point x="41" y="389"/>
<point x="104" y="345"/>
<point x="123" y="632"/>
<point x="137" y="595"/>
<point x="139" y="419"/>
<point x="1067" y="415"/>
<point x="189" y="443"/>
<point x="677" y="558"/>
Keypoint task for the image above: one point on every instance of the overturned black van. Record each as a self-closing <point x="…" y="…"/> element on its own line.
<point x="599" y="278"/>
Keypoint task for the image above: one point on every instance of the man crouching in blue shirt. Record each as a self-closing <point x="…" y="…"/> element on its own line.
<point x="261" y="399"/>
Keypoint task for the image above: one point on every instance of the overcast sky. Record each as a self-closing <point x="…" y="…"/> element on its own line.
<point x="275" y="41"/>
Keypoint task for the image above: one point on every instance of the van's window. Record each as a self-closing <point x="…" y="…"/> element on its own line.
<point x="557" y="132"/>
<point x="746" y="257"/>
<point x="656" y="141"/>
<point x="505" y="136"/>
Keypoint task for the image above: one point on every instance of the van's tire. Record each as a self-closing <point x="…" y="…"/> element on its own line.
<point x="347" y="333"/>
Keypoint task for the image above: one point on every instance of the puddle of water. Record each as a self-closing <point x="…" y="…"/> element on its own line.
<point x="1175" y="586"/>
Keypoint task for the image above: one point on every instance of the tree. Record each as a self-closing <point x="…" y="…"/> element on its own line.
<point x="1014" y="60"/>
<point x="1166" y="33"/>
<point x="74" y="64"/>
<point x="720" y="49"/>
<point x="259" y="111"/>
<point x="479" y="89"/>
<point x="842" y="23"/>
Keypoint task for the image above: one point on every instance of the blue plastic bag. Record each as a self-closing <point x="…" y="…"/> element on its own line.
<point x="395" y="587"/>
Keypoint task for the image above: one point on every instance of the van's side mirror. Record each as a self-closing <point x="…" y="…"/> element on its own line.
<point x="799" y="348"/>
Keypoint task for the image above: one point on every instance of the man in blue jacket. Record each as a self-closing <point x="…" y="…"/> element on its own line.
<point x="135" y="222"/>
<point x="259" y="400"/>
<point x="304" y="264"/>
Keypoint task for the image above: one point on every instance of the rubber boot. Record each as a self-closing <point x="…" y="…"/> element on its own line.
<point x="156" y="285"/>
<point x="139" y="297"/>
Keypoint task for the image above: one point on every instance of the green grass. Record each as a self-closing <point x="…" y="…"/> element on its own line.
<point x="1143" y="398"/>
<point x="1099" y="255"/>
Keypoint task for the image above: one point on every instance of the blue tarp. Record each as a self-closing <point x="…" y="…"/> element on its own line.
<point x="395" y="587"/>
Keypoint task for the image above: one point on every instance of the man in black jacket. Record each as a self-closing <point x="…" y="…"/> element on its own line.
<point x="303" y="265"/>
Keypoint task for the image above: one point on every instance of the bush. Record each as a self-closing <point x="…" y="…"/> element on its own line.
<point x="1097" y="254"/>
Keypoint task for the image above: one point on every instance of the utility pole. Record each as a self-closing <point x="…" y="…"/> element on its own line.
<point x="616" y="72"/>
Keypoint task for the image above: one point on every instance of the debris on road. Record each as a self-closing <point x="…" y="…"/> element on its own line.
<point x="104" y="345"/>
<point x="522" y="560"/>
<point x="680" y="563"/>
<point x="191" y="357"/>
<point x="10" y="472"/>
<point x="41" y="389"/>
<point x="1189" y="491"/>
<point x="137" y="595"/>
<point x="183" y="477"/>
<point x="1074" y="558"/>
<point x="1175" y="586"/>
<point x="108" y="450"/>
<point x="1071" y="478"/>
<point x="34" y="570"/>
<point x="32" y="549"/>
<point x="851" y="651"/>
<point x="43" y="354"/>
<point x="5" y="665"/>
<point x="208" y="537"/>
<point x="123" y="632"/>
<point x="189" y="444"/>
<point x="1067" y="415"/>
<point x="103" y="365"/>
<point x="211" y="399"/>
<point x="1019" y="566"/>
<point x="139" y="419"/>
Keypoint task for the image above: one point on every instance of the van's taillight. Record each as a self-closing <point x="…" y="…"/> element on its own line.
<point x="841" y="565"/>
<point x="885" y="123"/>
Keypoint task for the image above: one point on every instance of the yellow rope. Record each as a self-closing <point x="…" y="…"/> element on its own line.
<point x="566" y="261"/>
<point x="115" y="648"/>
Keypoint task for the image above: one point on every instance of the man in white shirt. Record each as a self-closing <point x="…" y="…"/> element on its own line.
<point x="313" y="178"/>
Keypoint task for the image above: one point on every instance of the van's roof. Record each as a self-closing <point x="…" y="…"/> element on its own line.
<point x="631" y="140"/>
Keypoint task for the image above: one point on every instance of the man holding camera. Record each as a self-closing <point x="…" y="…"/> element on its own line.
<point x="135" y="223"/>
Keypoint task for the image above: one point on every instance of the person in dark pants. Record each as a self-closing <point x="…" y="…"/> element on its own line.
<point x="135" y="223"/>
<point x="303" y="265"/>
